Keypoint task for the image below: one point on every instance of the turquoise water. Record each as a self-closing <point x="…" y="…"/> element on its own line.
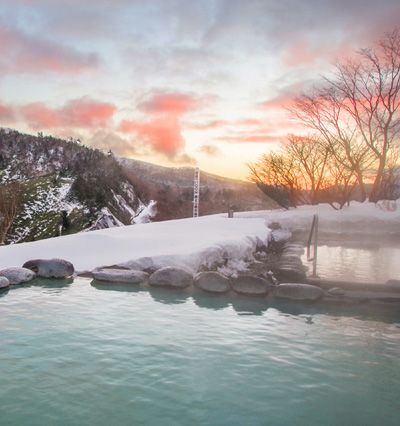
<point x="75" y="354"/>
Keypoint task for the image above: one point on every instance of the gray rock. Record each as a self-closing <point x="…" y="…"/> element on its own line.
<point x="258" y="268"/>
<point x="393" y="283"/>
<point x="4" y="283"/>
<point x="171" y="277"/>
<point x="17" y="275"/>
<point x="120" y="276"/>
<point x="50" y="268"/>
<point x="291" y="273"/>
<point x="296" y="291"/>
<point x="250" y="284"/>
<point x="293" y="248"/>
<point x="211" y="281"/>
<point x="336" y="291"/>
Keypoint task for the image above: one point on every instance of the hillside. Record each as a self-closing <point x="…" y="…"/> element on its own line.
<point x="172" y="188"/>
<point x="62" y="187"/>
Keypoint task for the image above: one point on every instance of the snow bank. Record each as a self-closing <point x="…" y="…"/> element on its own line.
<point x="358" y="219"/>
<point x="185" y="242"/>
<point x="191" y="242"/>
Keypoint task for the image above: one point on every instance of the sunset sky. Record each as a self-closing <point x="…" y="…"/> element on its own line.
<point x="175" y="82"/>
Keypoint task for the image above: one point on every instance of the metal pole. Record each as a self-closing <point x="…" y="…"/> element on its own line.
<point x="196" y="192"/>
<point x="315" y="247"/>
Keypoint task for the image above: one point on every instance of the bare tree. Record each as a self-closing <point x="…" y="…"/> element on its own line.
<point x="358" y="110"/>
<point x="310" y="156"/>
<point x="10" y="197"/>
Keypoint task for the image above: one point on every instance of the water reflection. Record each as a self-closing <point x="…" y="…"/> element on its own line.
<point x="105" y="286"/>
<point x="241" y="304"/>
<point x="210" y="301"/>
<point x="168" y="295"/>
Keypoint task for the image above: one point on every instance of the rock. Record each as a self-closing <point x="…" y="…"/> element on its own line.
<point x="289" y="258"/>
<point x="120" y="276"/>
<point x="50" y="268"/>
<point x="393" y="283"/>
<point x="293" y="248"/>
<point x="291" y="273"/>
<point x="250" y="284"/>
<point x="213" y="282"/>
<point x="171" y="277"/>
<point x="296" y="291"/>
<point x="4" y="283"/>
<point x="258" y="268"/>
<point x="17" y="275"/>
<point x="336" y="291"/>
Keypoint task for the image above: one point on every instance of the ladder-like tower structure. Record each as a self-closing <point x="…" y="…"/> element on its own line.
<point x="196" y="192"/>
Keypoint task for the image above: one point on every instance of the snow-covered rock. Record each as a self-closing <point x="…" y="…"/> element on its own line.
<point x="212" y="282"/>
<point x="120" y="276"/>
<point x="50" y="268"/>
<point x="17" y="275"/>
<point x="295" y="291"/>
<point x="171" y="277"/>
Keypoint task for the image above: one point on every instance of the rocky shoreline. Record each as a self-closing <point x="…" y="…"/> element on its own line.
<point x="275" y="271"/>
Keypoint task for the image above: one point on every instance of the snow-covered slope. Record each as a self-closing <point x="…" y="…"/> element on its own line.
<point x="63" y="183"/>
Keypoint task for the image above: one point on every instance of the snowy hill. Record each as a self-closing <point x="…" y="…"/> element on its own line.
<point x="172" y="188"/>
<point x="64" y="187"/>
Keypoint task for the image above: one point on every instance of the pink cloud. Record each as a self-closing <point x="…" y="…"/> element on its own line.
<point x="280" y="102"/>
<point x="23" y="53"/>
<point x="170" y="103"/>
<point x="163" y="131"/>
<point x="163" y="134"/>
<point x="76" y="113"/>
<point x="6" y="113"/>
<point x="301" y="53"/>
<point x="213" y="124"/>
<point x="251" y="138"/>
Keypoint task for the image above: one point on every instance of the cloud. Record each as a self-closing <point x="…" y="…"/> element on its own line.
<point x="162" y="134"/>
<point x="82" y="113"/>
<point x="105" y="140"/>
<point x="251" y="138"/>
<point x="163" y="130"/>
<point x="207" y="125"/>
<point x="27" y="53"/>
<point x="7" y="113"/>
<point x="210" y="150"/>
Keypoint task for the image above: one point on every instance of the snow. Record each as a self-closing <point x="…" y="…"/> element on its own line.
<point x="357" y="219"/>
<point x="207" y="240"/>
<point x="185" y="242"/>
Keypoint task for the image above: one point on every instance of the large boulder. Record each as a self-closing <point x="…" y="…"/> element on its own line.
<point x="4" y="283"/>
<point x="17" y="275"/>
<point x="211" y="281"/>
<point x="120" y="276"/>
<point x="50" y="268"/>
<point x="171" y="277"/>
<point x="250" y="284"/>
<point x="296" y="291"/>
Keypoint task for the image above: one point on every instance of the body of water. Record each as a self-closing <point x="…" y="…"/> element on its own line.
<point x="372" y="263"/>
<point x="75" y="354"/>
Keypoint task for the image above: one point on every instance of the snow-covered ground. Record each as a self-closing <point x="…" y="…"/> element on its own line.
<point x="358" y="219"/>
<point x="204" y="240"/>
<point x="186" y="242"/>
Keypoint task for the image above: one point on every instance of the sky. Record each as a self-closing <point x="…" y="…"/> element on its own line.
<point x="175" y="82"/>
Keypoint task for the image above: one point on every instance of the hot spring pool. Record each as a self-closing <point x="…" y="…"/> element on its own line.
<point x="80" y="355"/>
<point x="364" y="262"/>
